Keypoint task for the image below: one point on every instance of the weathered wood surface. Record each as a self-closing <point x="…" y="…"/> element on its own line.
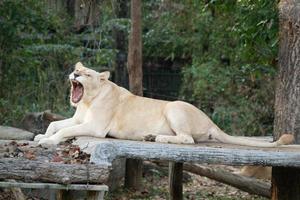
<point x="30" y="170"/>
<point x="107" y="150"/>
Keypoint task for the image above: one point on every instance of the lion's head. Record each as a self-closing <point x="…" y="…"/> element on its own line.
<point x="85" y="83"/>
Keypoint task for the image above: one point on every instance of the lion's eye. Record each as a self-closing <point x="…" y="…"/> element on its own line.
<point x="88" y="75"/>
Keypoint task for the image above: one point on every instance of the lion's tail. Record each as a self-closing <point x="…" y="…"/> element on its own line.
<point x="283" y="140"/>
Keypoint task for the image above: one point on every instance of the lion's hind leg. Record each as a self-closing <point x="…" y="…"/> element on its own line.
<point x="177" y="119"/>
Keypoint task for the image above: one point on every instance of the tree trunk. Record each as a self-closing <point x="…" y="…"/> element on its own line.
<point x="133" y="174"/>
<point x="135" y="70"/>
<point x="286" y="181"/>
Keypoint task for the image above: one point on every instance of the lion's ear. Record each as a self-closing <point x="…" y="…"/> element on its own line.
<point x="104" y="75"/>
<point x="78" y="66"/>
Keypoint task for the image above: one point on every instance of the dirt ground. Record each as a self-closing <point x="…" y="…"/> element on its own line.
<point x="155" y="187"/>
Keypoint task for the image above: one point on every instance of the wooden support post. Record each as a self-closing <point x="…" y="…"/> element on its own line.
<point x="286" y="181"/>
<point x="133" y="174"/>
<point x="175" y="180"/>
<point x="95" y="195"/>
<point x="64" y="195"/>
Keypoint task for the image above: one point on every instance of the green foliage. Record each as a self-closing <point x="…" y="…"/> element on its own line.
<point x="38" y="50"/>
<point x="230" y="48"/>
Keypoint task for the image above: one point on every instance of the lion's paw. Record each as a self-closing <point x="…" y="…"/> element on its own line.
<point x="149" y="138"/>
<point x="39" y="137"/>
<point x="48" y="141"/>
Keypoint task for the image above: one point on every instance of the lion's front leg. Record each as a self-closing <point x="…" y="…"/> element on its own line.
<point x="54" y="127"/>
<point x="85" y="129"/>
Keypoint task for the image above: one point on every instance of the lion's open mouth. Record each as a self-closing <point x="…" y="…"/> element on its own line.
<point x="77" y="91"/>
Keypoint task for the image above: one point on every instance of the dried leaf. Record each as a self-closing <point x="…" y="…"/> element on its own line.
<point x="57" y="158"/>
<point x="29" y="155"/>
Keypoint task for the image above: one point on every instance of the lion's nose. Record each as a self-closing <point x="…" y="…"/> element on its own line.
<point x="76" y="75"/>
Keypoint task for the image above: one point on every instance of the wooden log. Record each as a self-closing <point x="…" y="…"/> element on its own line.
<point x="32" y="170"/>
<point x="250" y="185"/>
<point x="107" y="150"/>
<point x="28" y="161"/>
<point x="175" y="181"/>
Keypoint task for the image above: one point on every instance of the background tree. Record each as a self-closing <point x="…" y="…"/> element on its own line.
<point x="286" y="181"/>
<point x="134" y="167"/>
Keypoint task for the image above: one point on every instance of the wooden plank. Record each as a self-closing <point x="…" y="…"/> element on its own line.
<point x="108" y="150"/>
<point x="175" y="181"/>
<point x="54" y="186"/>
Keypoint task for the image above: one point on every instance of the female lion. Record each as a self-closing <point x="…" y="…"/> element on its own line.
<point x="103" y="108"/>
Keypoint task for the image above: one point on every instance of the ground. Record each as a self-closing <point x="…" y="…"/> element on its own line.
<point x="155" y="187"/>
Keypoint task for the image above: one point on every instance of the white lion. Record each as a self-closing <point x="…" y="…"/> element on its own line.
<point x="103" y="108"/>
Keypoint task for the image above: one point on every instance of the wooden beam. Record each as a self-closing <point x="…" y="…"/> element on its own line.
<point x="211" y="153"/>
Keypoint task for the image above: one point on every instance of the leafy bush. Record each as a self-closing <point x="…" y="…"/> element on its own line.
<point x="233" y="79"/>
<point x="39" y="50"/>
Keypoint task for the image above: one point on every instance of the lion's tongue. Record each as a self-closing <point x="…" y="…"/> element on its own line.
<point x="77" y="93"/>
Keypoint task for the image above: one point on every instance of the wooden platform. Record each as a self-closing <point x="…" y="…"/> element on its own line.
<point x="38" y="164"/>
<point x="106" y="150"/>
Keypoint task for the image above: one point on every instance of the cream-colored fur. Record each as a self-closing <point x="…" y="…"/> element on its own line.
<point x="259" y="172"/>
<point x="107" y="109"/>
